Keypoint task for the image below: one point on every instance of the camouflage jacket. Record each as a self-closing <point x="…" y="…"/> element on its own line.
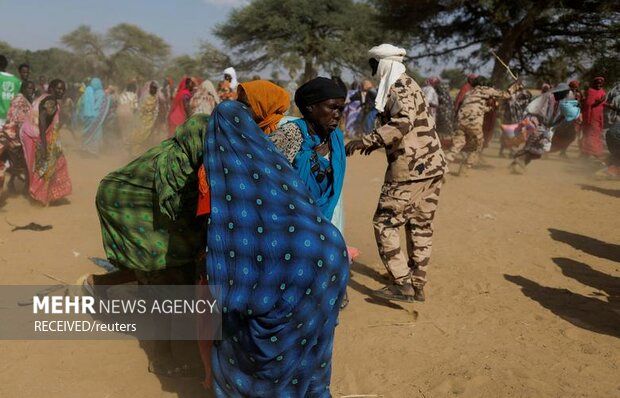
<point x="477" y="100"/>
<point x="408" y="134"/>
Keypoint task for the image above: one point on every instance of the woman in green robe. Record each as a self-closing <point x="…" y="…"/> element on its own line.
<point x="149" y="226"/>
<point x="147" y="208"/>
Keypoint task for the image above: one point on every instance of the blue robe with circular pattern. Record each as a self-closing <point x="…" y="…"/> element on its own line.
<point x="282" y="267"/>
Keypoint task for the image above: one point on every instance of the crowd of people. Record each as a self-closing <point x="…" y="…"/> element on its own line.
<point x="227" y="187"/>
<point x="530" y="126"/>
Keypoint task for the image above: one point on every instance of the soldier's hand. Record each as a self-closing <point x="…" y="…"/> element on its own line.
<point x="368" y="150"/>
<point x="353" y="146"/>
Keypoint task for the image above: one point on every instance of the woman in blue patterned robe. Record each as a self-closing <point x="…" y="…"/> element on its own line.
<point x="281" y="265"/>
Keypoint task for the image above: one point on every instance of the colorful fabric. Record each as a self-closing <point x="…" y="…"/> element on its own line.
<point x="445" y="111"/>
<point x="225" y="91"/>
<point x="15" y="118"/>
<point x="352" y="113"/>
<point x="612" y="113"/>
<point x="204" y="99"/>
<point x="147" y="209"/>
<point x="592" y="139"/>
<point x="94" y="106"/>
<point x="9" y="88"/>
<point x="48" y="173"/>
<point x="10" y="145"/>
<point x="514" y="108"/>
<point x="461" y="96"/>
<point x="323" y="177"/>
<point x="269" y="102"/>
<point x="149" y="109"/>
<point x="178" y="115"/>
<point x="539" y="136"/>
<point x="282" y="267"/>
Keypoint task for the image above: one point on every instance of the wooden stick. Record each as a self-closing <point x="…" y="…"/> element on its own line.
<point x="504" y="64"/>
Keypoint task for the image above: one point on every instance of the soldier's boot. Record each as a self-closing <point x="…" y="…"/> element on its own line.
<point x="397" y="292"/>
<point x="419" y="294"/>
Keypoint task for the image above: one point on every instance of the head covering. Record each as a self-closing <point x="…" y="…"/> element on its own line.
<point x="94" y="96"/>
<point x="269" y="103"/>
<point x="545" y="87"/>
<point x="433" y="81"/>
<point x="367" y="85"/>
<point x="560" y="87"/>
<point x="205" y="98"/>
<point x="574" y="84"/>
<point x="599" y="78"/>
<point x="570" y="109"/>
<point x="471" y="77"/>
<point x="390" y="68"/>
<point x="231" y="72"/>
<point x="318" y="90"/>
<point x="177" y="113"/>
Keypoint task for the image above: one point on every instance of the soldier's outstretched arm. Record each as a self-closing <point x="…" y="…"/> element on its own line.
<point x="398" y="125"/>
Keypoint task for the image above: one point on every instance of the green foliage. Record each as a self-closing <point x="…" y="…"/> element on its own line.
<point x="302" y="36"/>
<point x="124" y="53"/>
<point x="607" y="66"/>
<point x="51" y="63"/>
<point x="522" y="32"/>
<point x="455" y="77"/>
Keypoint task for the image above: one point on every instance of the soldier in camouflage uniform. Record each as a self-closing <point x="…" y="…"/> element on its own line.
<point x="413" y="179"/>
<point x="470" y="118"/>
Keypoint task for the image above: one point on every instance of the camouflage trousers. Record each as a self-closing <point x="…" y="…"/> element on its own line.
<point x="412" y="205"/>
<point x="470" y="135"/>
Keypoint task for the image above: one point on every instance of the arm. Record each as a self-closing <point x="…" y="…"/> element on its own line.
<point x="44" y="121"/>
<point x="398" y="125"/>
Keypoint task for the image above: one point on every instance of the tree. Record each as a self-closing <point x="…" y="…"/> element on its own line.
<point x="123" y="53"/>
<point x="521" y="32"/>
<point x="302" y="35"/>
<point x="455" y="77"/>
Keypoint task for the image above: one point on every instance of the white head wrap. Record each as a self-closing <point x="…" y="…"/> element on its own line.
<point x="390" y="68"/>
<point x="231" y="71"/>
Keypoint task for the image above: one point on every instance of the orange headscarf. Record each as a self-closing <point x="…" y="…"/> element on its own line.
<point x="268" y="101"/>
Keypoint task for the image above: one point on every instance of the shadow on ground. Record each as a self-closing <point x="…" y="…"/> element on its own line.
<point x="182" y="387"/>
<point x="611" y="192"/>
<point x="363" y="269"/>
<point x="592" y="246"/>
<point x="590" y="313"/>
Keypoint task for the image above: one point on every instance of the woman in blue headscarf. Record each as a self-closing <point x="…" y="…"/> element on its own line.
<point x="281" y="265"/>
<point x="314" y="145"/>
<point x="92" y="111"/>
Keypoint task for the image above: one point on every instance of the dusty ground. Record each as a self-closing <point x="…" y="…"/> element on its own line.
<point x="522" y="300"/>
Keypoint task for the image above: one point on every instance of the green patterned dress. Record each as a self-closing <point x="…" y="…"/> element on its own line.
<point x="147" y="209"/>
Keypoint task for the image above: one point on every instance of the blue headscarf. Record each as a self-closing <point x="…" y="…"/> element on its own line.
<point x="327" y="191"/>
<point x="570" y="109"/>
<point x="94" y="97"/>
<point x="281" y="265"/>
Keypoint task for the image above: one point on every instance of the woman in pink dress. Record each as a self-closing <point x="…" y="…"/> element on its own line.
<point x="592" y="109"/>
<point x="48" y="173"/>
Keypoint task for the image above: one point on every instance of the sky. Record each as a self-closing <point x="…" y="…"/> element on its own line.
<point x="39" y="24"/>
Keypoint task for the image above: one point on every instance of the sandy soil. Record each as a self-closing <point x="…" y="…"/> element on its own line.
<point x="523" y="298"/>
